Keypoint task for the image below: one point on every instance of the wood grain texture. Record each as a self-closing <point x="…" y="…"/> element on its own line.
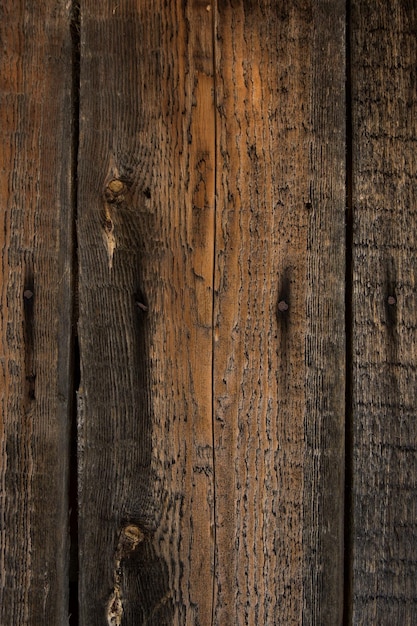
<point x="35" y="313"/>
<point x="279" y="317"/>
<point x="146" y="231"/>
<point x="384" y="109"/>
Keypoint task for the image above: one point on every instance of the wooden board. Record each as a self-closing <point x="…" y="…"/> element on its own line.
<point x="152" y="147"/>
<point x="35" y="313"/>
<point x="384" y="113"/>
<point x="145" y="230"/>
<point x="279" y="313"/>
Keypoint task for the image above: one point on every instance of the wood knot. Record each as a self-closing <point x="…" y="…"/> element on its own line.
<point x="115" y="191"/>
<point x="130" y="537"/>
<point x="115" y="609"/>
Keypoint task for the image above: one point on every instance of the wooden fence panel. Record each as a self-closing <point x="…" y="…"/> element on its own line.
<point x="35" y="313"/>
<point x="279" y="355"/>
<point x="146" y="228"/>
<point x="212" y="323"/>
<point x="384" y="464"/>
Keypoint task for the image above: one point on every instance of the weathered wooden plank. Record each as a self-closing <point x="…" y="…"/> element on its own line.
<point x="384" y="110"/>
<point x="146" y="229"/>
<point x="279" y="313"/>
<point x="35" y="313"/>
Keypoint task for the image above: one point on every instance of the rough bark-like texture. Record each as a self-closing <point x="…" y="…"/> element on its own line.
<point x="384" y="113"/>
<point x="279" y="313"/>
<point x="146" y="229"/>
<point x="35" y="309"/>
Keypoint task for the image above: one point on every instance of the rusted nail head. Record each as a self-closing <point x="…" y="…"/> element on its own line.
<point x="28" y="294"/>
<point x="282" y="306"/>
<point x="391" y="300"/>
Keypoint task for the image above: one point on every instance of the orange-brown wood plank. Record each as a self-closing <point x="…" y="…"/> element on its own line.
<point x="384" y="350"/>
<point x="279" y="382"/>
<point x="35" y="310"/>
<point x="146" y="237"/>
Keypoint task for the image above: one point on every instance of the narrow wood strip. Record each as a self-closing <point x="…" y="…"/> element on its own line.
<point x="384" y="109"/>
<point x="35" y="310"/>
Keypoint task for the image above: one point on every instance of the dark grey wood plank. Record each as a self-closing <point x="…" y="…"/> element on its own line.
<point x="384" y="110"/>
<point x="35" y="310"/>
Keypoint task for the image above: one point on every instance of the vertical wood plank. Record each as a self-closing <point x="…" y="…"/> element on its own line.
<point x="384" y="109"/>
<point x="35" y="310"/>
<point x="146" y="230"/>
<point x="279" y="314"/>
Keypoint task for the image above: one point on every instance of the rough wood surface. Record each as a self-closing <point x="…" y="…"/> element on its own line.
<point x="35" y="324"/>
<point x="211" y="206"/>
<point x="384" y="113"/>
<point x="146" y="233"/>
<point x="145" y="230"/>
<point x="279" y="317"/>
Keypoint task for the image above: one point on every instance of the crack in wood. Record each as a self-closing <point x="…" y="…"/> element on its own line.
<point x="130" y="537"/>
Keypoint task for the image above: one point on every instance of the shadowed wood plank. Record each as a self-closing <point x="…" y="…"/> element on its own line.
<point x="279" y="318"/>
<point x="146" y="231"/>
<point x="384" y="108"/>
<point x="35" y="310"/>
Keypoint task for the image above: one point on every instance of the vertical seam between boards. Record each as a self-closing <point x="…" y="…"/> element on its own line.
<point x="213" y="399"/>
<point x="73" y="600"/>
<point x="348" y="508"/>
